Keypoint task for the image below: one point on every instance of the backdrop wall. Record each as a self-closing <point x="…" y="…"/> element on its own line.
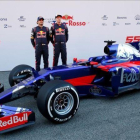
<point x="97" y="21"/>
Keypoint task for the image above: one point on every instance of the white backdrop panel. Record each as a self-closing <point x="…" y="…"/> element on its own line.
<point x="84" y="41"/>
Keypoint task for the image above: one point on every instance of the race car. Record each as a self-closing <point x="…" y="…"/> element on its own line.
<point x="57" y="89"/>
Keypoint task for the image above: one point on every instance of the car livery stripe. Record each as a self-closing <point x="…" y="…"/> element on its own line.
<point x="85" y="80"/>
<point x="124" y="64"/>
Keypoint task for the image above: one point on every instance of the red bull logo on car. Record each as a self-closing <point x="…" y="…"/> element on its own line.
<point x="14" y="120"/>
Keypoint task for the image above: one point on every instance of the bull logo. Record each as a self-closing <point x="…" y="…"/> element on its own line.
<point x="67" y="17"/>
<point x="60" y="31"/>
<point x="41" y="34"/>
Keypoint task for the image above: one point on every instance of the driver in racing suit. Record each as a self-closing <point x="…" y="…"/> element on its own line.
<point x="59" y="37"/>
<point x="40" y="41"/>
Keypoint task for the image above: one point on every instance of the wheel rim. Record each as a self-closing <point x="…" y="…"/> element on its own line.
<point x="63" y="103"/>
<point x="28" y="74"/>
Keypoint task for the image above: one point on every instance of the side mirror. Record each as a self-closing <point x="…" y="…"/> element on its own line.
<point x="92" y="63"/>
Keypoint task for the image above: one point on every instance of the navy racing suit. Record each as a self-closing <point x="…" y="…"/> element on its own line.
<point x="40" y="40"/>
<point x="59" y="37"/>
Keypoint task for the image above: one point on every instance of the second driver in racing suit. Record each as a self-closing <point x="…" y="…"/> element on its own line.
<point x="59" y="37"/>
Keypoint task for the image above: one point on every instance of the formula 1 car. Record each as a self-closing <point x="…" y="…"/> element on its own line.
<point x="58" y="89"/>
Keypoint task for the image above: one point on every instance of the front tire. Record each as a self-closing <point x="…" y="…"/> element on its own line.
<point x="58" y="101"/>
<point x="19" y="70"/>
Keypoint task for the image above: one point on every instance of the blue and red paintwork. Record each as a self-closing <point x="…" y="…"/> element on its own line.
<point x="107" y="75"/>
<point x="86" y="76"/>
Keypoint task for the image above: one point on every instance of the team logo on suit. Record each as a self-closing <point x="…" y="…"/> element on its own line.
<point x="60" y="31"/>
<point x="41" y="34"/>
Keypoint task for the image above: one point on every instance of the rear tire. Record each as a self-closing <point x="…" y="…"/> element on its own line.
<point x="19" y="70"/>
<point x="58" y="101"/>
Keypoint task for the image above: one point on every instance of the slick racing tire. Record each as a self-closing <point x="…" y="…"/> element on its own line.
<point x="58" y="101"/>
<point x="19" y="71"/>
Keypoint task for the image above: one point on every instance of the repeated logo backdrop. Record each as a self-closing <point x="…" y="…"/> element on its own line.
<point x="89" y="23"/>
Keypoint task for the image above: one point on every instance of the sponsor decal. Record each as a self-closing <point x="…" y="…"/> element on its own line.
<point x="3" y="19"/>
<point x="7" y="26"/>
<point x="131" y="77"/>
<point x="50" y="20"/>
<point x="104" y="17"/>
<point x="41" y="34"/>
<point x="62" y="89"/>
<point x="22" y="26"/>
<point x="13" y="120"/>
<point x="68" y="20"/>
<point x="67" y="17"/>
<point x="60" y="31"/>
<point x="62" y="120"/>
<point x="121" y="17"/>
<point x="138" y="23"/>
<point x="127" y="23"/>
<point x="137" y="17"/>
<point x="95" y="90"/>
<point x="115" y="23"/>
<point x="104" y="24"/>
<point x="130" y="39"/>
<point x="21" y="18"/>
<point x="72" y="23"/>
